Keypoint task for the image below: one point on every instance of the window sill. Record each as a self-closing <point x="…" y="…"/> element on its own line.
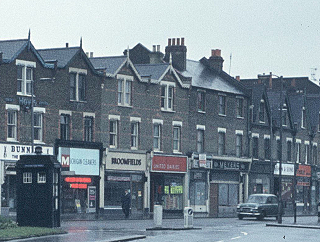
<point x="157" y="151"/>
<point x="177" y="152"/>
<point x="239" y="117"/>
<point x="38" y="142"/>
<point x="134" y="148"/>
<point x="24" y="94"/>
<point x="12" y="140"/>
<point x="199" y="111"/>
<point x="125" y="106"/>
<point x="76" y="101"/>
<point x="167" y="110"/>
<point x="222" y="115"/>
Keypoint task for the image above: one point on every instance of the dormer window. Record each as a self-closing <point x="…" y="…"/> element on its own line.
<point x="167" y="96"/>
<point x="77" y="84"/>
<point x="24" y="76"/>
<point x="262" y="112"/>
<point x="124" y="90"/>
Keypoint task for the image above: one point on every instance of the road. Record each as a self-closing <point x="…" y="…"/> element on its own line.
<point x="207" y="229"/>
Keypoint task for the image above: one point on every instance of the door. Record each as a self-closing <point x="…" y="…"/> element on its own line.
<point x="214" y="191"/>
<point x="137" y="196"/>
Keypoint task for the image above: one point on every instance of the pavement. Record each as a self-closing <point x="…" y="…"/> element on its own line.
<point x="135" y="230"/>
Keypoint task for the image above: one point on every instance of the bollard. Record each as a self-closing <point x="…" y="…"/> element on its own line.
<point x="157" y="215"/>
<point x="188" y="217"/>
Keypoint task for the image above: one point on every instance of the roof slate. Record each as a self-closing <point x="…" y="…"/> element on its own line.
<point x="109" y="64"/>
<point x="155" y="71"/>
<point x="11" y="48"/>
<point x="205" y="78"/>
<point x="62" y="55"/>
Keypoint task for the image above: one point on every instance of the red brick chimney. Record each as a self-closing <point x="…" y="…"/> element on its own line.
<point x="178" y="51"/>
<point x="215" y="60"/>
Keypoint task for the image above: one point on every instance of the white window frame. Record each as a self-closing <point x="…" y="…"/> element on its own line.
<point x="25" y="83"/>
<point x="78" y="72"/>
<point x="12" y="109"/>
<point x="134" y="141"/>
<point x="201" y="101"/>
<point x="222" y="151"/>
<point x="240" y="108"/>
<point x="176" y="140"/>
<point x="157" y="123"/>
<point x="239" y="143"/>
<point x="39" y="111"/>
<point x="223" y="105"/>
<point x="27" y="177"/>
<point x="42" y="177"/>
<point x="167" y="101"/>
<point x="124" y="93"/>
<point x="114" y="119"/>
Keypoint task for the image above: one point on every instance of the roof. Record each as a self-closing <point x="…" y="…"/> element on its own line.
<point x="110" y="64"/>
<point x="62" y="55"/>
<point x="296" y="102"/>
<point x="274" y="102"/>
<point x="257" y="95"/>
<point x="11" y="48"/>
<point x="205" y="78"/>
<point x="154" y="71"/>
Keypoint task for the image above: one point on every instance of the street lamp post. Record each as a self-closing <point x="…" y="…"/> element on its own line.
<point x="280" y="155"/>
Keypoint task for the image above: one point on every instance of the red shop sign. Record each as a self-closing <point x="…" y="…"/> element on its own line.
<point x="304" y="171"/>
<point x="169" y="163"/>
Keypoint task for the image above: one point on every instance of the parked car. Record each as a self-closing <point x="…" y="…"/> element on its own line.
<point x="259" y="206"/>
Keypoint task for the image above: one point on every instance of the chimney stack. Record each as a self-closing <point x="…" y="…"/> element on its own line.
<point x="158" y="48"/>
<point x="154" y="48"/>
<point x="238" y="78"/>
<point x="215" y="60"/>
<point x="178" y="52"/>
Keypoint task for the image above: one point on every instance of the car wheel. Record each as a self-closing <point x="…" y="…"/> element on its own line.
<point x="240" y="217"/>
<point x="261" y="216"/>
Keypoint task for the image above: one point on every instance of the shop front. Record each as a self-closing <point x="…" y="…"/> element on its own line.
<point x="198" y="186"/>
<point x="80" y="176"/>
<point x="228" y="185"/>
<point x="168" y="183"/>
<point x="303" y="188"/>
<point x="261" y="177"/>
<point x="287" y="185"/>
<point x="9" y="155"/>
<point x="125" y="171"/>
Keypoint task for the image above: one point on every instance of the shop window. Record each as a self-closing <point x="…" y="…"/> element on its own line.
<point x="198" y="193"/>
<point x="228" y="194"/>
<point x="27" y="177"/>
<point x="42" y="177"/>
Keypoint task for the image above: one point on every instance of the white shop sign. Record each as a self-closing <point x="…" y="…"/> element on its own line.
<point x="125" y="161"/>
<point x="287" y="169"/>
<point x="13" y="151"/>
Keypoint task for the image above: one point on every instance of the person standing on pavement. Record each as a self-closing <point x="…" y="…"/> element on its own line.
<point x="125" y="202"/>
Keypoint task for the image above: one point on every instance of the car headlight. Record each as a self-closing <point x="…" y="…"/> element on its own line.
<point x="238" y="206"/>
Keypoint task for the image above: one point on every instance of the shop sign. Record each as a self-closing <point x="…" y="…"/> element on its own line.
<point x="304" y="171"/>
<point x="125" y="161"/>
<point x="287" y="169"/>
<point x="202" y="160"/>
<point x="169" y="163"/>
<point x="230" y="165"/>
<point x="81" y="161"/>
<point x="13" y="151"/>
<point x="119" y="178"/>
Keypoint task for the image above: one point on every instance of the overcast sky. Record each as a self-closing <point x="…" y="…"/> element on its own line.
<point x="279" y="36"/>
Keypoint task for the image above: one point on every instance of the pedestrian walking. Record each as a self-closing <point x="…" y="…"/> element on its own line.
<point x="125" y="202"/>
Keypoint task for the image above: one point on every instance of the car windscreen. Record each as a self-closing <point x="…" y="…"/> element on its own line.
<point x="257" y="199"/>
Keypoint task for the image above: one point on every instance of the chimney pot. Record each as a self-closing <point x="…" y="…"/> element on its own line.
<point x="213" y="52"/>
<point x="238" y="78"/>
<point x="67" y="45"/>
<point x="218" y="52"/>
<point x="158" y="48"/>
<point x="173" y="41"/>
<point x="178" y="41"/>
<point x="91" y="54"/>
<point x="182" y="41"/>
<point x="169" y="42"/>
<point x="154" y="48"/>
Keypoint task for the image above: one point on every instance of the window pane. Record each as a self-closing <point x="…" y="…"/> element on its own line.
<point x="120" y="90"/>
<point x="128" y="93"/>
<point x="82" y="87"/>
<point x="73" y="86"/>
<point x="88" y="129"/>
